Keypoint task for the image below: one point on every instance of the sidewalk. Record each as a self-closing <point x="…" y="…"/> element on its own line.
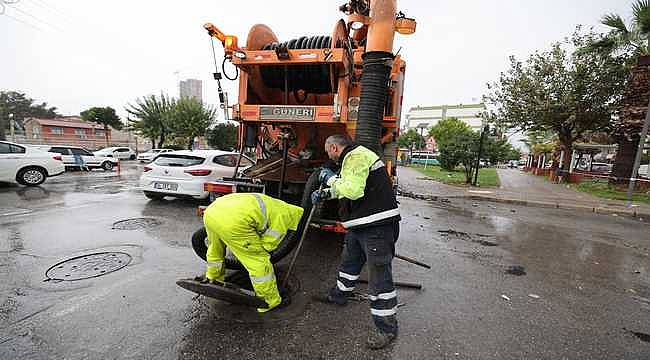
<point x="519" y="188"/>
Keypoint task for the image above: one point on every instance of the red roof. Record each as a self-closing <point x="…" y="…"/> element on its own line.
<point x="68" y="123"/>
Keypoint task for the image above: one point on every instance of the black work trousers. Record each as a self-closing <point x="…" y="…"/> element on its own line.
<point x="374" y="245"/>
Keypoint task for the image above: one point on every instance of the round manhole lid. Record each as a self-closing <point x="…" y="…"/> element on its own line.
<point x="88" y="266"/>
<point x="136" y="224"/>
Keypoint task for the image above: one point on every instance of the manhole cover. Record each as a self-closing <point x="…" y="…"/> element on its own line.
<point x="88" y="266"/>
<point x="136" y="224"/>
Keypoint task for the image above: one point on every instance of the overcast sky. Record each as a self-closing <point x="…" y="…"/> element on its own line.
<point x="76" y="54"/>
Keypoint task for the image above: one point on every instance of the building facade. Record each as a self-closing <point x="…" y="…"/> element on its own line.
<point x="422" y="118"/>
<point x="69" y="130"/>
<point x="191" y="88"/>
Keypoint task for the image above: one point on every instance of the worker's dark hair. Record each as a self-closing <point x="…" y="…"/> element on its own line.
<point x="338" y="139"/>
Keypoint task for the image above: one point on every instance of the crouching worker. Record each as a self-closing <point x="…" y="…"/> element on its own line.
<point x="251" y="225"/>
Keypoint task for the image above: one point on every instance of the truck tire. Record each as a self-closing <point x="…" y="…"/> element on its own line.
<point x="200" y="246"/>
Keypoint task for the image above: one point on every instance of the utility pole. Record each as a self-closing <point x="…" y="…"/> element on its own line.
<point x="480" y="150"/>
<point x="637" y="159"/>
<point x="12" y="129"/>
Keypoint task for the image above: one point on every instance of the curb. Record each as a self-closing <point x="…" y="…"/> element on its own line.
<point x="564" y="206"/>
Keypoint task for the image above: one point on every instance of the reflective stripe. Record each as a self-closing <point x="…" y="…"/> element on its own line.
<point x="261" y="279"/>
<point x="371" y="218"/>
<point x="273" y="233"/>
<point x="215" y="263"/>
<point x="377" y="165"/>
<point x="383" y="296"/>
<point x="263" y="208"/>
<point x="342" y="287"/>
<point x="388" y="312"/>
<point x="348" y="276"/>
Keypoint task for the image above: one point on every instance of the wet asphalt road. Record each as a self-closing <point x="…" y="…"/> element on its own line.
<point x="507" y="282"/>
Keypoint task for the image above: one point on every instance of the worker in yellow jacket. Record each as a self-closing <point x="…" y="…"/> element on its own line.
<point x="251" y="225"/>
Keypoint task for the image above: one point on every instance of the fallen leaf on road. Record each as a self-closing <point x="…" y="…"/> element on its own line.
<point x="534" y="296"/>
<point x="505" y="297"/>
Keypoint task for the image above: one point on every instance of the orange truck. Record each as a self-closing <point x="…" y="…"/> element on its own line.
<point x="294" y="94"/>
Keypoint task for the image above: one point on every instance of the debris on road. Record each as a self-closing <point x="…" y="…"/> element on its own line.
<point x="516" y="270"/>
<point x="534" y="296"/>
<point x="505" y="297"/>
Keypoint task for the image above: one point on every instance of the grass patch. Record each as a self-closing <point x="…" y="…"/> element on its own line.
<point x="486" y="176"/>
<point x="602" y="189"/>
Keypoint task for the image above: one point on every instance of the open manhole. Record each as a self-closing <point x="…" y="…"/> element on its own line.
<point x="136" y="224"/>
<point x="88" y="266"/>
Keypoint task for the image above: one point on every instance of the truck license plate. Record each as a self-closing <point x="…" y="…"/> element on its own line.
<point x="303" y="113"/>
<point x="165" y="186"/>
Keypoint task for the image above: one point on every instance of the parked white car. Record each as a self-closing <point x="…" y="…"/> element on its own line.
<point x="26" y="165"/>
<point x="151" y="154"/>
<point x="88" y="159"/>
<point x="183" y="173"/>
<point x="121" y="153"/>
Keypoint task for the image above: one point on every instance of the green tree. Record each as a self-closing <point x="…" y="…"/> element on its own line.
<point x="411" y="140"/>
<point x="568" y="92"/>
<point x="105" y="116"/>
<point x="629" y="43"/>
<point x="153" y="117"/>
<point x="190" y="118"/>
<point x="223" y="137"/>
<point x="22" y="107"/>
<point x="499" y="150"/>
<point x="447" y="129"/>
<point x="460" y="149"/>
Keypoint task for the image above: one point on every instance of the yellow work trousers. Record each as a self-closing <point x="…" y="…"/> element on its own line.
<point x="248" y="249"/>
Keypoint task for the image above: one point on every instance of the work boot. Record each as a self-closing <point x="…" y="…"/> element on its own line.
<point x="379" y="339"/>
<point x="329" y="300"/>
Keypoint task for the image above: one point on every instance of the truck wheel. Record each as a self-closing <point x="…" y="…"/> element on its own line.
<point x="200" y="246"/>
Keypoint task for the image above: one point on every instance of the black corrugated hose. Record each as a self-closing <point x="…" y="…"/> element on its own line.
<point x="312" y="79"/>
<point x="374" y="89"/>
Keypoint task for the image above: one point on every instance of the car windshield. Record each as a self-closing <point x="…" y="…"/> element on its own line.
<point x="178" y="160"/>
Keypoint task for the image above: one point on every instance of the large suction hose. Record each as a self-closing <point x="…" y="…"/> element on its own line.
<point x="374" y="90"/>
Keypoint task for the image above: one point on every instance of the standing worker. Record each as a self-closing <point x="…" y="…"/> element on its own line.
<point x="251" y="225"/>
<point x="371" y="217"/>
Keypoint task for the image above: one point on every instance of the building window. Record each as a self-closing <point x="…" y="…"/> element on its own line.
<point x="56" y="130"/>
<point x="36" y="131"/>
<point x="81" y="133"/>
<point x="99" y="133"/>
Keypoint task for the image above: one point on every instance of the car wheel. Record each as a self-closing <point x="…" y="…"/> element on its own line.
<point x="132" y="157"/>
<point x="153" y="195"/>
<point x="107" y="165"/>
<point x="31" y="176"/>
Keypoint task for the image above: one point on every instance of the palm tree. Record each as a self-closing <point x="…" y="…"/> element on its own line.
<point x="630" y="43"/>
<point x="153" y="117"/>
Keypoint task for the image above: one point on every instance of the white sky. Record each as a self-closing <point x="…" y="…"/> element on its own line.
<point x="77" y="54"/>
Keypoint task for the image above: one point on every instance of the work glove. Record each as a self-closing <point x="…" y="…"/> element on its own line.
<point x="325" y="175"/>
<point x="320" y="195"/>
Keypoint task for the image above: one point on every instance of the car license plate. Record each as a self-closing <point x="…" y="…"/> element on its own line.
<point x="165" y="186"/>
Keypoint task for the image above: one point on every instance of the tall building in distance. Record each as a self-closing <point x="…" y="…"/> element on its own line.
<point x="191" y="88"/>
